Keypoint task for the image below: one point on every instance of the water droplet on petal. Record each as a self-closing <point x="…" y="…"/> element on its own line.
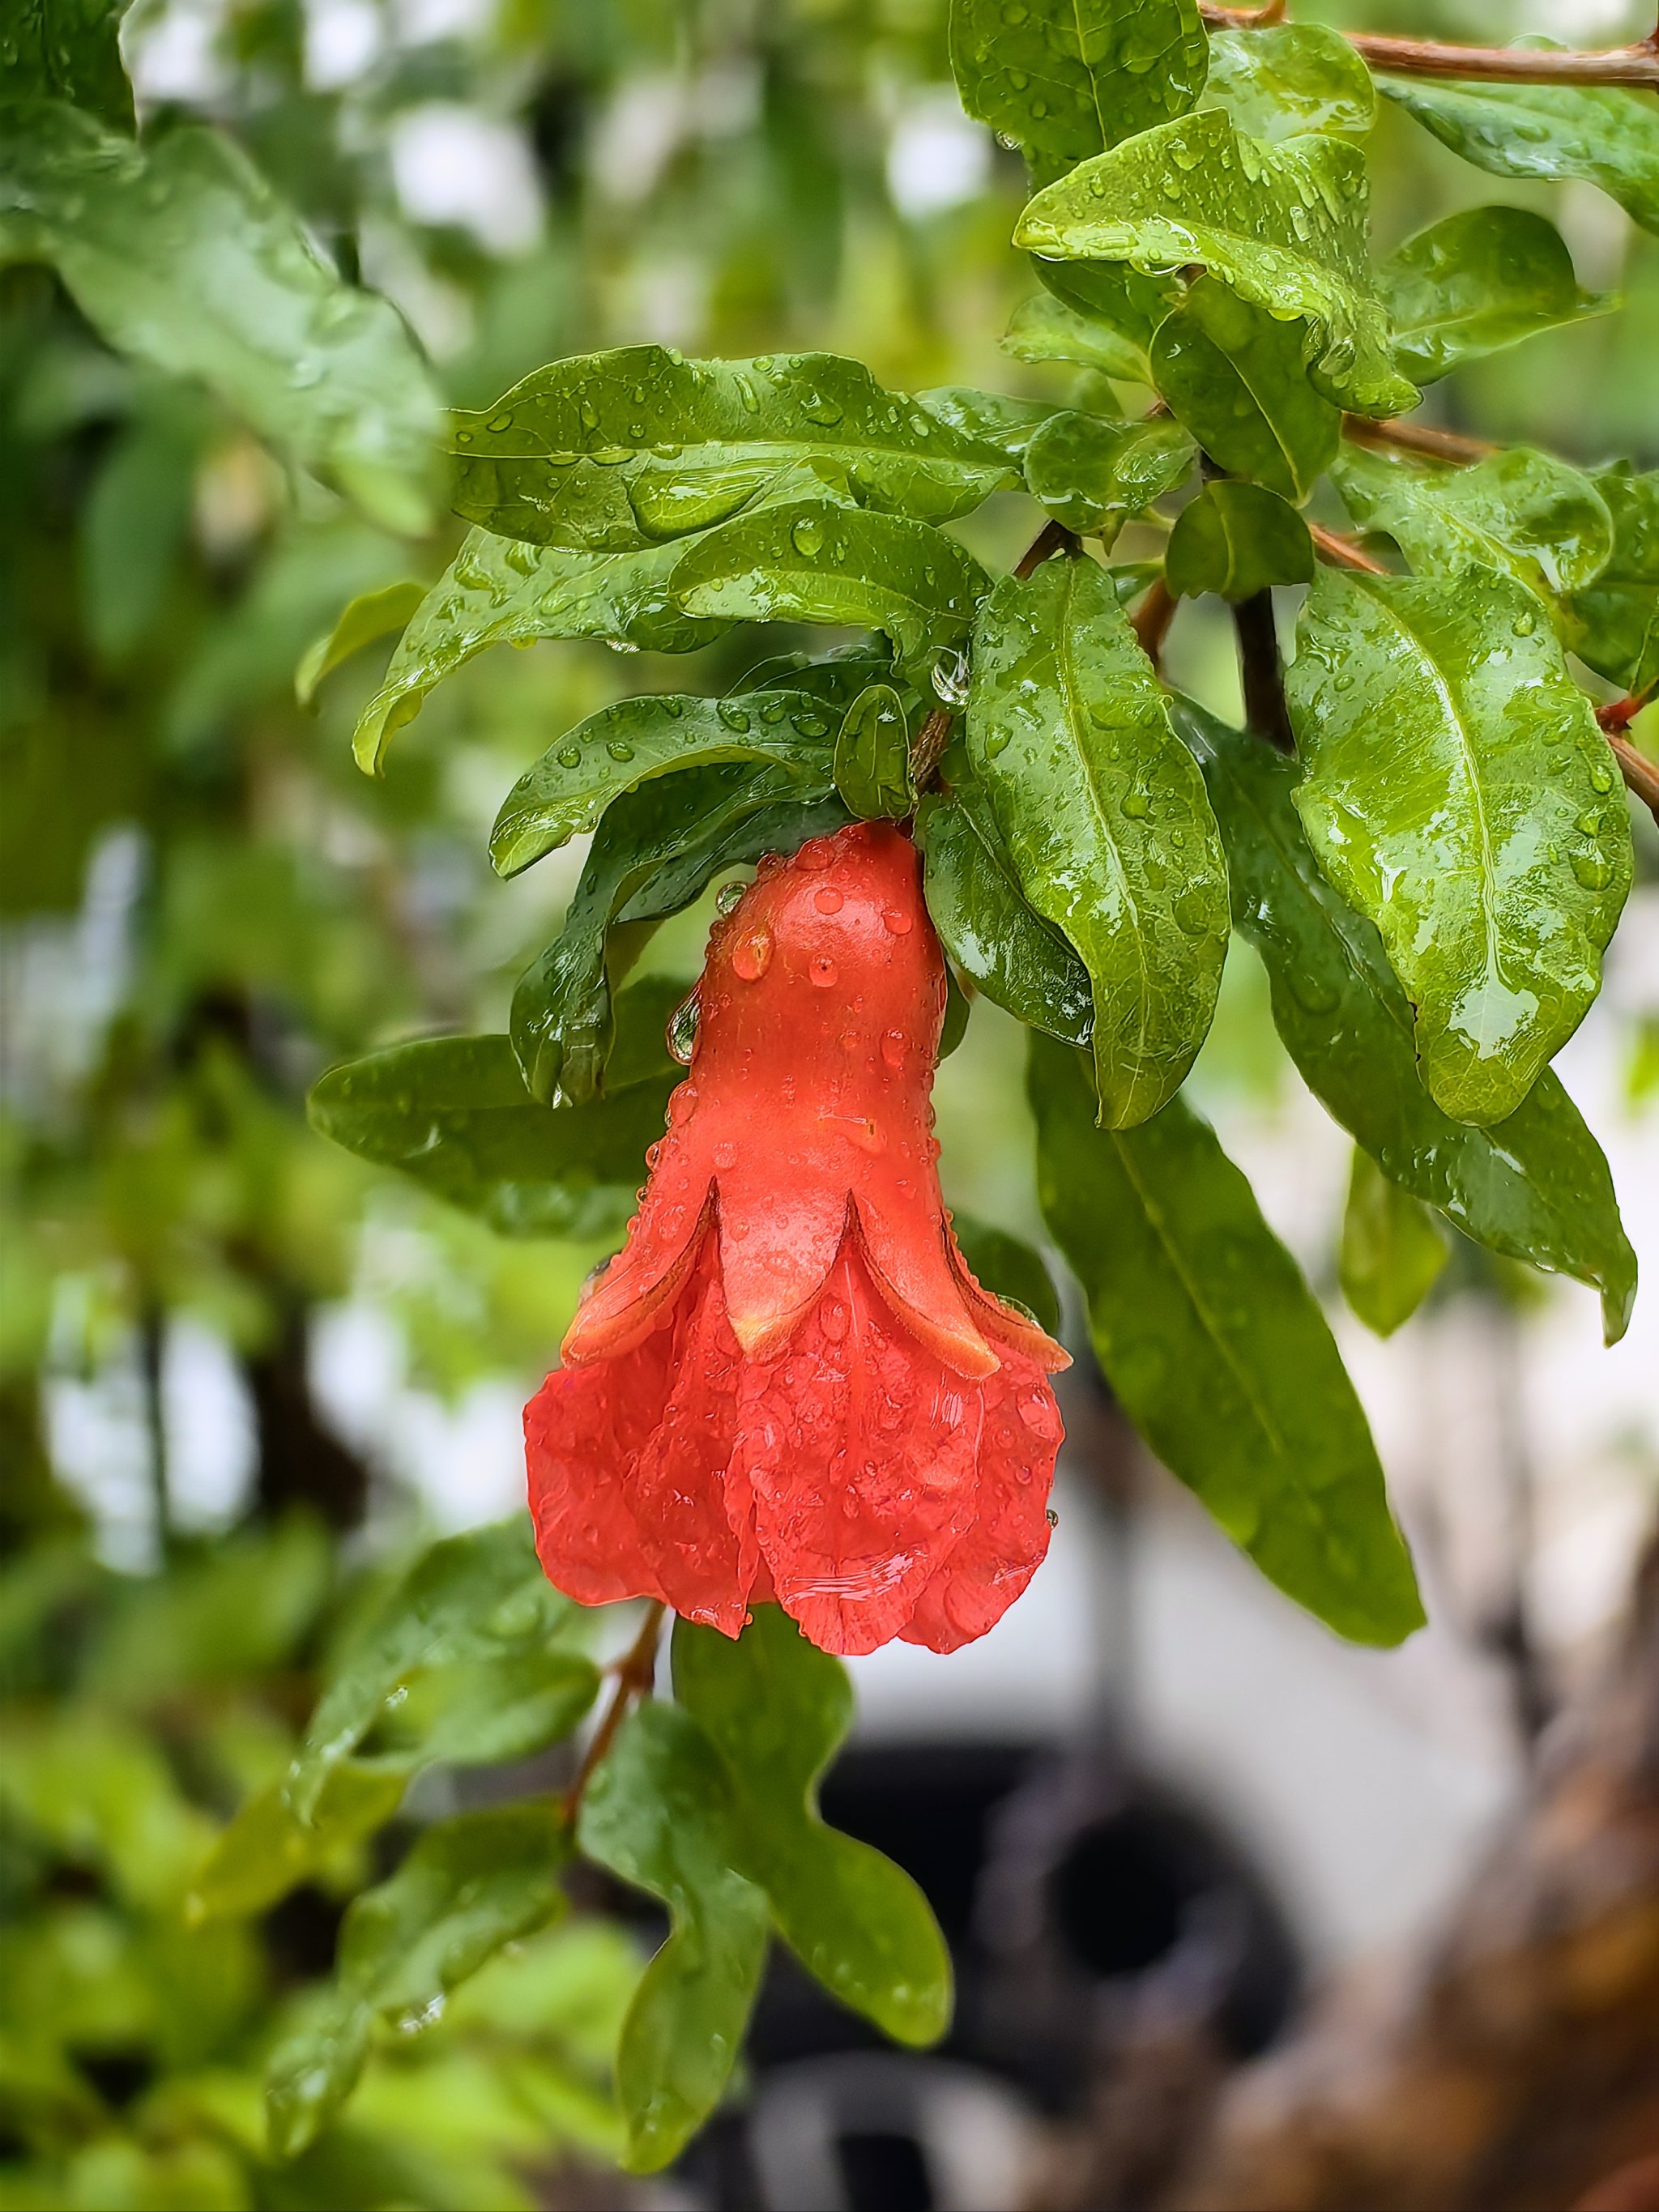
<point x="725" y="1156"/>
<point x="897" y="921"/>
<point x="752" y="955"/>
<point x="821" y="971"/>
<point x="681" y="1038"/>
<point x="893" y="1049"/>
<point x="829" y="900"/>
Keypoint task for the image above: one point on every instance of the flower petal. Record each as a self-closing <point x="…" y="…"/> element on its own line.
<point x="620" y="1306"/>
<point x="1003" y="1324"/>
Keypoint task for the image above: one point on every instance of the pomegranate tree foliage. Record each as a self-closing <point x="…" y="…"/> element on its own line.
<point x="1427" y="841"/>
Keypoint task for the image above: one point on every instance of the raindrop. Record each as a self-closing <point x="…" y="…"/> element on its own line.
<point x="897" y="921"/>
<point x="729" y="898"/>
<point x="752" y="956"/>
<point x="950" y="678"/>
<point x="681" y="1038"/>
<point x="829" y="900"/>
<point x="892" y="1049"/>
<point x="807" y="536"/>
<point x="724" y="1155"/>
<point x="619" y="748"/>
<point x="498" y="422"/>
<point x="733" y="716"/>
<point x="570" y="756"/>
<point x="821" y="971"/>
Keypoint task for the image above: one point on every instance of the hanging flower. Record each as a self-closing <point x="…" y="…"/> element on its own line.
<point x="788" y="1385"/>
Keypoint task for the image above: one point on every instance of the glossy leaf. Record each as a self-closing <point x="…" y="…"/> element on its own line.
<point x="1460" y="795"/>
<point x="1236" y="539"/>
<point x="177" y="251"/>
<point x="1095" y="476"/>
<point x="267" y="1850"/>
<point x="1616" y="621"/>
<point x="498" y="592"/>
<point x="655" y="850"/>
<point x="1533" y="1186"/>
<point x="1607" y="137"/>
<point x="1520" y="511"/>
<point x="1126" y="303"/>
<point x="1044" y="328"/>
<point x="1218" y="1352"/>
<point x="659" y="1813"/>
<point x="467" y="1888"/>
<point x="777" y="1709"/>
<point x="815" y="562"/>
<point x="371" y="615"/>
<point x="1066" y="82"/>
<point x="67" y="50"/>
<point x="974" y="898"/>
<point x="605" y="453"/>
<point x="1010" y="1267"/>
<point x="1104" y="814"/>
<point x="1392" y="1248"/>
<point x="873" y="756"/>
<point x="835" y="681"/>
<point x="454" y="1114"/>
<point x="1477" y="282"/>
<point x="994" y="417"/>
<point x="1289" y="78"/>
<point x="1236" y="376"/>
<point x="1282" y="226"/>
<point x="625" y="745"/>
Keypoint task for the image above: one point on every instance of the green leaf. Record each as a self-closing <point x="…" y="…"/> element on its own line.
<point x="660" y="1814"/>
<point x="625" y="745"/>
<point x="1236" y="376"/>
<point x="974" y="898"/>
<point x="604" y="453"/>
<point x="1477" y="282"/>
<point x="1535" y="1186"/>
<point x="776" y="1711"/>
<point x="873" y="756"/>
<point x="1617" y="622"/>
<point x="655" y="850"/>
<point x="480" y="1595"/>
<point x="67" y="50"/>
<point x="807" y="560"/>
<point x="1103" y="813"/>
<point x="177" y="251"/>
<point x="468" y="1887"/>
<point x="1460" y="795"/>
<point x="371" y="615"/>
<point x="1236" y="539"/>
<point x="1044" y="328"/>
<point x="835" y="681"/>
<point x="454" y="1114"/>
<point x="1282" y="226"/>
<point x="267" y="1851"/>
<point x="1217" y="1351"/>
<point x="1125" y="304"/>
<point x="1009" y="1268"/>
<point x="1094" y="476"/>
<point x="498" y="592"/>
<point x="1607" y="137"/>
<point x="1289" y="78"/>
<point x="1066" y="82"/>
<point x="1520" y="511"/>
<point x="1392" y="1248"/>
<point x="993" y="417"/>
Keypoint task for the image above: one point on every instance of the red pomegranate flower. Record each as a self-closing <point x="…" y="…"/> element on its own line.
<point x="787" y="1384"/>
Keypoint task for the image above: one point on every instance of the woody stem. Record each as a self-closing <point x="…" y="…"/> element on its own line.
<point x="1261" y="673"/>
<point x="635" y="1672"/>
<point x="1638" y="64"/>
<point x="1417" y="438"/>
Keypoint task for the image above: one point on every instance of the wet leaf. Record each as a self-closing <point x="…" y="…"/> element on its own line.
<point x="1217" y="1351"/>
<point x="625" y="745"/>
<point x="1282" y="226"/>
<point x="1008" y="424"/>
<point x="1477" y="282"/>
<point x="660" y="1814"/>
<point x="1459" y="793"/>
<point x="498" y="592"/>
<point x="1521" y="512"/>
<point x="1607" y="138"/>
<point x="68" y="50"/>
<point x="267" y="1850"/>
<point x="1044" y="328"/>
<point x="1289" y="78"/>
<point x="1010" y="1268"/>
<point x="178" y="251"/>
<point x="1094" y="476"/>
<point x="974" y="898"/>
<point x="1533" y="1186"/>
<point x="1616" y="621"/>
<point x="1392" y="1248"/>
<point x="1236" y="539"/>
<point x="776" y="1711"/>
<point x="1065" y="84"/>
<point x="820" y="562"/>
<point x="369" y="615"/>
<point x="655" y="850"/>
<point x="467" y="1887"/>
<point x="1236" y="376"/>
<point x="605" y="453"/>
<point x="1104" y="814"/>
<point x="1124" y="304"/>
<point x="873" y="756"/>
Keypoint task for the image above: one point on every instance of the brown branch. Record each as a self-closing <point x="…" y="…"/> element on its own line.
<point x="928" y="749"/>
<point x="1640" y="775"/>
<point x="1053" y="538"/>
<point x="1417" y="438"/>
<point x="1151" y="619"/>
<point x="1243" y="19"/>
<point x="1635" y="65"/>
<point x="1262" y="671"/>
<point x="1619" y="713"/>
<point x="635" y="1673"/>
<point x="1342" y="552"/>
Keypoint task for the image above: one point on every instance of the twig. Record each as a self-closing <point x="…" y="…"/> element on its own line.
<point x="1263" y="674"/>
<point x="1151" y="622"/>
<point x="1640" y="775"/>
<point x="1636" y="65"/>
<point x="635" y="1672"/>
<point x="1618" y="714"/>
<point x="1417" y="438"/>
<point x="1053" y="538"/>
<point x="928" y="749"/>
<point x="1342" y="552"/>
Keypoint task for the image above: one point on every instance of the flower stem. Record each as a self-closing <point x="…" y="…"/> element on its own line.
<point x="635" y="1673"/>
<point x="1633" y="65"/>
